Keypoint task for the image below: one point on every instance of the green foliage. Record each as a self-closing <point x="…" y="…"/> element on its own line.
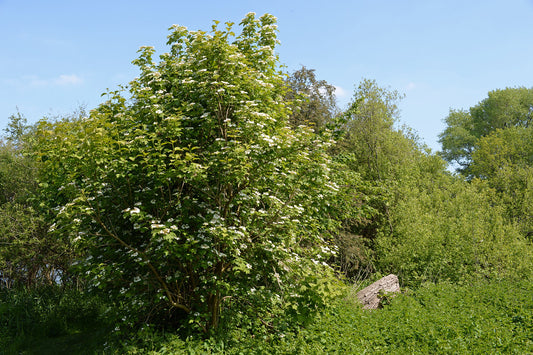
<point x="195" y="195"/>
<point x="502" y="109"/>
<point x="481" y="318"/>
<point x="437" y="318"/>
<point x="28" y="256"/>
<point x="425" y="224"/>
<point x="493" y="141"/>
<point x="314" y="100"/>
<point x="374" y="149"/>
<point x="48" y="314"/>
<point x="370" y="132"/>
<point x="360" y="210"/>
<point x="17" y="175"/>
<point x="458" y="140"/>
<point x="504" y="158"/>
<point x="451" y="230"/>
<point x="503" y="148"/>
<point x="17" y="128"/>
<point x="510" y="107"/>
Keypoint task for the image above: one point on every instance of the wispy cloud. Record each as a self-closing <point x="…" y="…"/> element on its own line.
<point x="71" y="79"/>
<point x="33" y="81"/>
<point x="410" y="86"/>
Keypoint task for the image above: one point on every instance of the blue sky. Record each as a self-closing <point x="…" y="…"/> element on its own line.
<point x="58" y="55"/>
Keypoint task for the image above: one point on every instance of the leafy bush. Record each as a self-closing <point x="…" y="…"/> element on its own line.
<point x="28" y="256"/>
<point x="451" y="230"/>
<point x="196" y="195"/>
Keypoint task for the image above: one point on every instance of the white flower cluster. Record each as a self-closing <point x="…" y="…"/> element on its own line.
<point x="132" y="211"/>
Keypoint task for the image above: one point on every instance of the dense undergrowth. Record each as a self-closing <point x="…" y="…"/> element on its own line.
<point x="478" y="318"/>
<point x="51" y="320"/>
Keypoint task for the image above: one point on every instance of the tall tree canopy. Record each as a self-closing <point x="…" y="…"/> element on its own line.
<point x="502" y="109"/>
<point x="314" y="102"/>
<point x="493" y="142"/>
<point x="370" y="129"/>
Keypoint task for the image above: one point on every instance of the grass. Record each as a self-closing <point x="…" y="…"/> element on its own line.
<point x="466" y="319"/>
<point x="74" y="342"/>
<point x="478" y="318"/>
<point x="51" y="320"/>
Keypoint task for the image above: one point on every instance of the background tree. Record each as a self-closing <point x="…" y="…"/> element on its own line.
<point x="314" y="102"/>
<point x="29" y="257"/>
<point x="370" y="131"/>
<point x="374" y="149"/>
<point x="424" y="225"/>
<point x="502" y="109"/>
<point x="504" y="159"/>
<point x="492" y="141"/>
<point x="458" y="140"/>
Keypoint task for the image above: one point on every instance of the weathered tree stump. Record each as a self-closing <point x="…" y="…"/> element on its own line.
<point x="370" y="296"/>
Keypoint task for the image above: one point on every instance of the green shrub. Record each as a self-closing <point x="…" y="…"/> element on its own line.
<point x="451" y="230"/>
<point x="196" y="192"/>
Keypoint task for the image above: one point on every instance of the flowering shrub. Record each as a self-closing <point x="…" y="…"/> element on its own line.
<point x="195" y="191"/>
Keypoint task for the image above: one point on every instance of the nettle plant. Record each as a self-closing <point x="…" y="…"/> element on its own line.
<point x="194" y="193"/>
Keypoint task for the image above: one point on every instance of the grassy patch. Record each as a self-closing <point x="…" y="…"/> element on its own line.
<point x="477" y="318"/>
<point x="444" y="318"/>
<point x="51" y="321"/>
